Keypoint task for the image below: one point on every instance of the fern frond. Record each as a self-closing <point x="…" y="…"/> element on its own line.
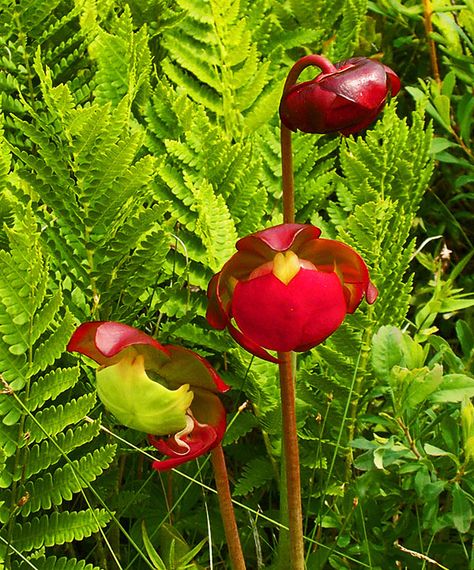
<point x="58" y="528"/>
<point x="256" y="473"/>
<point x="48" y="351"/>
<point x="56" y="418"/>
<point x="215" y="226"/>
<point x="124" y="61"/>
<point x="60" y="485"/>
<point x="42" y="456"/>
<point x="50" y="386"/>
<point x="55" y="563"/>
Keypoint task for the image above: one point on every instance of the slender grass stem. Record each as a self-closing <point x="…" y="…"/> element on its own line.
<point x="292" y="462"/>
<point x="227" y="509"/>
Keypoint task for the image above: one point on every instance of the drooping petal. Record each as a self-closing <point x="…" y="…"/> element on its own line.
<point x="304" y="107"/>
<point x="138" y="402"/>
<point x="285" y="317"/>
<point x="187" y="367"/>
<point x="393" y="80"/>
<point x="103" y="340"/>
<point x="333" y="256"/>
<point x="363" y="82"/>
<point x="216" y="314"/>
<point x="208" y="428"/>
<point x="249" y="345"/>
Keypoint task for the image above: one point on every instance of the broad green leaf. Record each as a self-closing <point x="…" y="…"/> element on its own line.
<point x="454" y="388"/>
<point x="462" y="511"/>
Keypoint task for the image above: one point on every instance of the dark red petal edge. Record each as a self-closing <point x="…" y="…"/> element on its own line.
<point x="101" y="340"/>
<point x="250" y="345"/>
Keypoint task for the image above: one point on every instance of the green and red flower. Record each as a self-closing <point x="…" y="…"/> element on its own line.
<point x="287" y="289"/>
<point x="163" y="390"/>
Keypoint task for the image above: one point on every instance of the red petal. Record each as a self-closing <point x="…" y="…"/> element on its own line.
<point x="250" y="345"/>
<point x="279" y="238"/>
<point x="102" y="340"/>
<point x="393" y="81"/>
<point x="204" y="437"/>
<point x="364" y="83"/>
<point x="187" y="367"/>
<point x="216" y="315"/>
<point x="286" y="317"/>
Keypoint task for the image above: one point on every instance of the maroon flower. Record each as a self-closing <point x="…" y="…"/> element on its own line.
<point x="286" y="289"/>
<point x="162" y="390"/>
<point x="346" y="97"/>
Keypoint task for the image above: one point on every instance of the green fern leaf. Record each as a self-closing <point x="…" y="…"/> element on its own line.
<point x="215" y="226"/>
<point x="50" y="386"/>
<point x="55" y="563"/>
<point x="255" y="475"/>
<point x="55" y="418"/>
<point x="48" y="351"/>
<point x="60" y="485"/>
<point x="58" y="528"/>
<point x="42" y="456"/>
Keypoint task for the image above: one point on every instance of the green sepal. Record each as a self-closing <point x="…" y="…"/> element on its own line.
<point x="140" y="403"/>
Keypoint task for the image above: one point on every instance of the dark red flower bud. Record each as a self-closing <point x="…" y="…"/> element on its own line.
<point x="346" y="97"/>
<point x="287" y="289"/>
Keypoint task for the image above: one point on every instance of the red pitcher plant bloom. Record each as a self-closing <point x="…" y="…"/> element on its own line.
<point x="162" y="390"/>
<point x="346" y="97"/>
<point x="286" y="289"/>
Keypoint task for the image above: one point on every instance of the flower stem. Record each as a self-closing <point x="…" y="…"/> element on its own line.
<point x="287" y="176"/>
<point x="292" y="462"/>
<point x="427" y="15"/>
<point x="227" y="509"/>
<point x="286" y="151"/>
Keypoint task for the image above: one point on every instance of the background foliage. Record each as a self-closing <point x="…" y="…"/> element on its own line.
<point x="140" y="139"/>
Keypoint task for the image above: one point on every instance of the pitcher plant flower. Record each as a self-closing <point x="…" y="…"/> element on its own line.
<point x="162" y="390"/>
<point x="345" y="97"/>
<point x="286" y="289"/>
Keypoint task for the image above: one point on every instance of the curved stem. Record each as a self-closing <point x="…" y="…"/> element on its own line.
<point x="292" y="461"/>
<point x="286" y="151"/>
<point x="227" y="509"/>
<point x="318" y="60"/>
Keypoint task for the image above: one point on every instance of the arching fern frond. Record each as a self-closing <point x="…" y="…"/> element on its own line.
<point x="35" y="328"/>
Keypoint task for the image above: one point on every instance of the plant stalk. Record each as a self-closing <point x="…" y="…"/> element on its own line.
<point x="427" y="21"/>
<point x="292" y="462"/>
<point x="227" y="509"/>
<point x="285" y="134"/>
<point x="287" y="176"/>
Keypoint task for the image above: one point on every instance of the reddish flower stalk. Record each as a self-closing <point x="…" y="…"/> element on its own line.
<point x="292" y="461"/>
<point x="227" y="509"/>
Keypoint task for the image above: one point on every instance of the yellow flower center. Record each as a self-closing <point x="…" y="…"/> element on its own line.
<point x="285" y="266"/>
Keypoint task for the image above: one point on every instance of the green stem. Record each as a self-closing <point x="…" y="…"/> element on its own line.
<point x="227" y="509"/>
<point x="292" y="462"/>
